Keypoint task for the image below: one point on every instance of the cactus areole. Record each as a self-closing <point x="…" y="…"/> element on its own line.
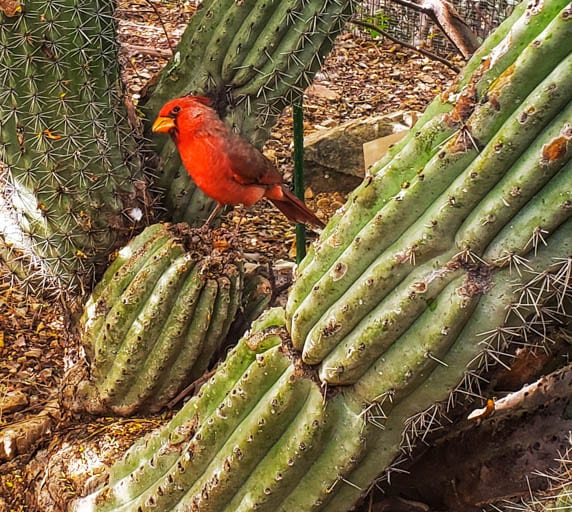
<point x="457" y="245"/>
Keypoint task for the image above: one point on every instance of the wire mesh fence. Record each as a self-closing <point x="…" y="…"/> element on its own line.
<point x="417" y="29"/>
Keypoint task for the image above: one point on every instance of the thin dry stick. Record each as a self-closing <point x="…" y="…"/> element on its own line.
<point x="194" y="386"/>
<point x="422" y="51"/>
<point x="156" y="11"/>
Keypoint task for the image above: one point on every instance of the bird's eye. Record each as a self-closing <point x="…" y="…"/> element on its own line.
<point x="176" y="109"/>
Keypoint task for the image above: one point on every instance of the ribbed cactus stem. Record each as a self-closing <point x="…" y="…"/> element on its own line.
<point x="208" y="398"/>
<point x="487" y="330"/>
<point x="73" y="185"/>
<point x="342" y="297"/>
<point x="155" y="321"/>
<point x="429" y="151"/>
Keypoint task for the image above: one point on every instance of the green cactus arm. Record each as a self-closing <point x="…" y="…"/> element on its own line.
<point x="423" y="144"/>
<point x="423" y="346"/>
<point x="168" y="305"/>
<point x="248" y="445"/>
<point x="521" y="27"/>
<point x="486" y="329"/>
<point x="155" y="371"/>
<point x="386" y="323"/>
<point x="257" y="37"/>
<point x="115" y="281"/>
<point x="197" y="332"/>
<point x="226" y="31"/>
<point x="288" y="460"/>
<point x="292" y="53"/>
<point x="146" y="326"/>
<point x="108" y="342"/>
<point x="338" y="457"/>
<point x="204" y="443"/>
<point x="551" y="206"/>
<point x="440" y="222"/>
<point x="538" y="164"/>
<point x="338" y="322"/>
<point x="71" y="159"/>
<point x="209" y="396"/>
<point x="236" y="24"/>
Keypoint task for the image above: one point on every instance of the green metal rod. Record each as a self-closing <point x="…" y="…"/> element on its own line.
<point x="298" y="126"/>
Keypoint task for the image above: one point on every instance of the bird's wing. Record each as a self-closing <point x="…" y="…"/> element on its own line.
<point x="249" y="165"/>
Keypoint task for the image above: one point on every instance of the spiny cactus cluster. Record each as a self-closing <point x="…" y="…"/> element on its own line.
<point x="155" y="320"/>
<point x="71" y="185"/>
<point x="458" y="244"/>
<point x="253" y="58"/>
<point x="264" y="434"/>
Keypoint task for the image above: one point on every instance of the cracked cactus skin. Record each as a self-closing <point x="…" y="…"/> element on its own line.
<point x="458" y="245"/>
<point x="253" y="58"/>
<point x="155" y="320"/>
<point x="68" y="160"/>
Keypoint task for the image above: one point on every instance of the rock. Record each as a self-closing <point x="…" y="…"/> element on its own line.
<point x="334" y="158"/>
<point x="13" y="401"/>
<point x="323" y="92"/>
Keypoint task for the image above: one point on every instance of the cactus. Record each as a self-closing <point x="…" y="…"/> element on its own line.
<point x="72" y="185"/>
<point x="459" y="245"/>
<point x="259" y="419"/>
<point x="154" y="321"/>
<point x="429" y="188"/>
<point x="253" y="58"/>
<point x="262" y="434"/>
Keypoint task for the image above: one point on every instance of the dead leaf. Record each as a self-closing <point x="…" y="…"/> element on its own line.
<point x="10" y="7"/>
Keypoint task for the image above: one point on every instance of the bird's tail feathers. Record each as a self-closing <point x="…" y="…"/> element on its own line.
<point x="295" y="210"/>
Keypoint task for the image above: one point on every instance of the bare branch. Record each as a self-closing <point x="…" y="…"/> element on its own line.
<point x="453" y="26"/>
<point x="444" y="15"/>
<point x="158" y="14"/>
<point x="422" y="51"/>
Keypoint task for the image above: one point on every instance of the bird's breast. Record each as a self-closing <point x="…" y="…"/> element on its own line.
<point x="211" y="169"/>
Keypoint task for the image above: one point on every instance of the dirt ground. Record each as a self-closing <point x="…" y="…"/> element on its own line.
<point x="360" y="78"/>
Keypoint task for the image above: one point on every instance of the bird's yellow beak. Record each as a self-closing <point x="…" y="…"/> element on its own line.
<point x="163" y="125"/>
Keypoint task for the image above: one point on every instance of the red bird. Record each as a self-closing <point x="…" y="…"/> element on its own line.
<point x="225" y="167"/>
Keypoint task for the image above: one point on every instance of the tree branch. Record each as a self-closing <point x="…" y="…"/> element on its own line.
<point x="444" y="15"/>
<point x="422" y="51"/>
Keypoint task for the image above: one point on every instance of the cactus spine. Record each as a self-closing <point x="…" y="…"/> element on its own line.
<point x="71" y="178"/>
<point x="155" y="320"/>
<point x="465" y="248"/>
